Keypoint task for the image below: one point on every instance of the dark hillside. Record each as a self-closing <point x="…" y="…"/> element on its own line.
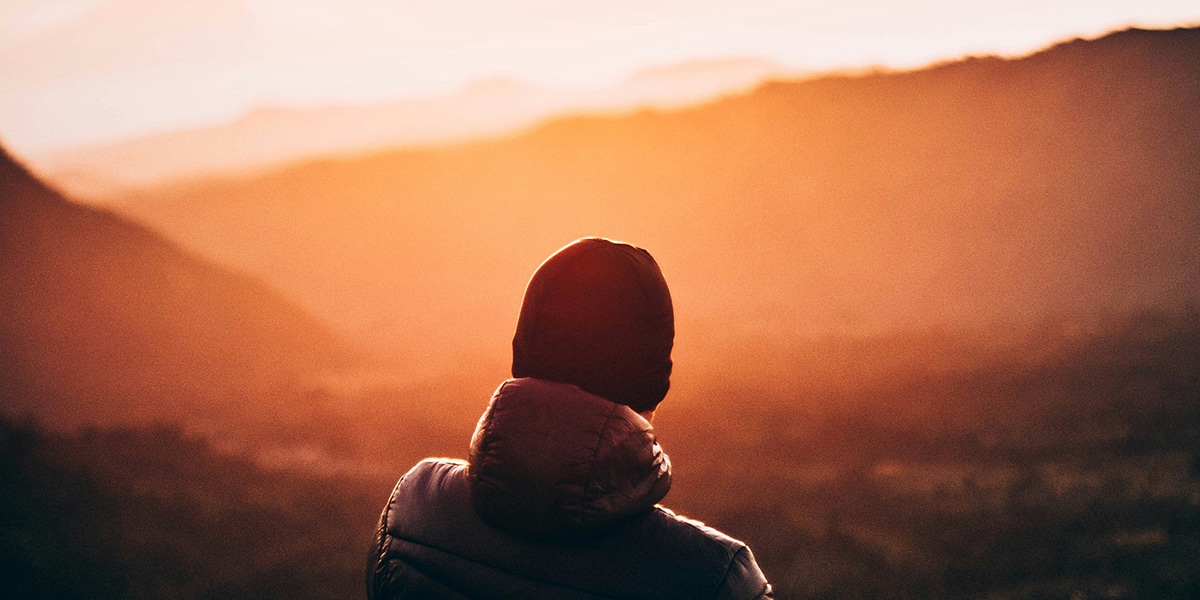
<point x="1075" y="475"/>
<point x="103" y="321"/>
<point x="154" y="513"/>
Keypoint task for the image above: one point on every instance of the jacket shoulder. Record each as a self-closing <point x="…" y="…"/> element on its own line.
<point x="387" y="573"/>
<point x="740" y="576"/>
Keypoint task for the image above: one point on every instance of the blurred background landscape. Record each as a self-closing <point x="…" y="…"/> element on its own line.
<point x="938" y="324"/>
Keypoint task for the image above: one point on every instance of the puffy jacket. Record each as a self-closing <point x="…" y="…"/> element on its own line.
<point x="558" y="501"/>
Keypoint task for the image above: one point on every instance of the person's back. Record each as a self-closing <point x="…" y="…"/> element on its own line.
<point x="559" y="496"/>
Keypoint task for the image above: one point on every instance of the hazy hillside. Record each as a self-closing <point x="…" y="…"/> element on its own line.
<point x="1061" y="186"/>
<point x="103" y="321"/>
<point x="274" y="136"/>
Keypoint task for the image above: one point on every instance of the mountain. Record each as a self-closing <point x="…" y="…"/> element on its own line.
<point x="103" y="321"/>
<point x="270" y="137"/>
<point x="1059" y="187"/>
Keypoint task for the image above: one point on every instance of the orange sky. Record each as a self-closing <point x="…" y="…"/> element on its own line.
<point x="84" y="71"/>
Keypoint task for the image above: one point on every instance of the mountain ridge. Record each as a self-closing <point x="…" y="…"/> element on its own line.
<point x="270" y="137"/>
<point x="1055" y="186"/>
<point x="104" y="321"/>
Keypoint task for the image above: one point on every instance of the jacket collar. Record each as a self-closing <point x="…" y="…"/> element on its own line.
<point x="551" y="461"/>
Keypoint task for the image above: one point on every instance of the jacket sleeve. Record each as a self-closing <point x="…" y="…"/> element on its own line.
<point x="744" y="580"/>
<point x="374" y="557"/>
<point x="388" y="575"/>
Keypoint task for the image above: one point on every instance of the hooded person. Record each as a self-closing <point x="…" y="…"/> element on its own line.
<point x="559" y="497"/>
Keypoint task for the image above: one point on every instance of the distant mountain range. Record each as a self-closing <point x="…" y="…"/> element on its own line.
<point x="1057" y="187"/>
<point x="273" y="136"/>
<point x="105" y="322"/>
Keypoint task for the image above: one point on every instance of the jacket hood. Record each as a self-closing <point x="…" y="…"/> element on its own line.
<point x="551" y="461"/>
<point x="598" y="314"/>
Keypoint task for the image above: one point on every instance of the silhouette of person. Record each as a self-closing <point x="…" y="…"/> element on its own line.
<point x="559" y="496"/>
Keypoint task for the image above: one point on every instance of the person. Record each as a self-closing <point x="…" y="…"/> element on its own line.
<point x="559" y="495"/>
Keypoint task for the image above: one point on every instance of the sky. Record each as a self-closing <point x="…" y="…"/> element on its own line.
<point x="80" y="72"/>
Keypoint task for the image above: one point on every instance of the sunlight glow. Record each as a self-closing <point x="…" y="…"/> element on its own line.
<point x="162" y="65"/>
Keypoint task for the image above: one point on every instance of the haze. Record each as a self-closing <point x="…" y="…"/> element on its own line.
<point x="936" y="328"/>
<point x="77" y="72"/>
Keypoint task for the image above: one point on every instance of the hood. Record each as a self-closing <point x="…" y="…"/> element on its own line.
<point x="551" y="461"/>
<point x="598" y="314"/>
